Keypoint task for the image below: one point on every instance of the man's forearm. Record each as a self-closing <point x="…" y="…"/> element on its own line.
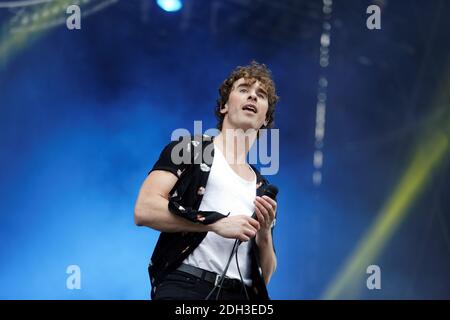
<point x="154" y="213"/>
<point x="267" y="256"/>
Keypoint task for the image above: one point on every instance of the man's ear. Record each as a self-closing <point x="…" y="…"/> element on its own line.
<point x="224" y="108"/>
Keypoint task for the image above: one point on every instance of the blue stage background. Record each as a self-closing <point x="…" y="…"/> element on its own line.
<point x="85" y="113"/>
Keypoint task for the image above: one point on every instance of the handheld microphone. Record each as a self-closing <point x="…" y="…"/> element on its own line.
<point x="270" y="190"/>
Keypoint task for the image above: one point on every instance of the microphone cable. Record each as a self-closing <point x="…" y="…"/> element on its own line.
<point x="222" y="276"/>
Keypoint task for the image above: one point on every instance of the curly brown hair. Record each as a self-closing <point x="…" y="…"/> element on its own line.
<point x="252" y="72"/>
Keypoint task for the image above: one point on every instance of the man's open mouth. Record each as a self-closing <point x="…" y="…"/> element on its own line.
<point x="250" y="107"/>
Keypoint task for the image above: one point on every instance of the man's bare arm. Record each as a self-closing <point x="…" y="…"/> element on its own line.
<point x="151" y="207"/>
<point x="151" y="210"/>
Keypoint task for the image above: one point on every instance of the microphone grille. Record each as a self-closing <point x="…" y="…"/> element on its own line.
<point x="271" y="191"/>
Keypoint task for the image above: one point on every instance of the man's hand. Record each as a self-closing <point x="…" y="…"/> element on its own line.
<point x="265" y="209"/>
<point x="236" y="227"/>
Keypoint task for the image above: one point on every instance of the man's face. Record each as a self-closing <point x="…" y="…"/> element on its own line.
<point x="247" y="105"/>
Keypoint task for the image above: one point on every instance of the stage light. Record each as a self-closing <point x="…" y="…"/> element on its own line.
<point x="317" y="178"/>
<point x="170" y="5"/>
<point x="322" y="92"/>
<point x="325" y="40"/>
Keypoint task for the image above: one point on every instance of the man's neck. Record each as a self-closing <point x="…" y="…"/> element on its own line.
<point x="235" y="144"/>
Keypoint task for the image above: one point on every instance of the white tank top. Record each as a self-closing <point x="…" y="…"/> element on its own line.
<point x="225" y="192"/>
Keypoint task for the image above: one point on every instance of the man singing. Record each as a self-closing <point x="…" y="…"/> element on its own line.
<point x="203" y="205"/>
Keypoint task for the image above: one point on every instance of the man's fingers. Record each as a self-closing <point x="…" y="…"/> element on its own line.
<point x="263" y="209"/>
<point x="254" y="223"/>
<point x="244" y="238"/>
<point x="272" y="202"/>
<point x="269" y="204"/>
<point x="250" y="232"/>
<point x="268" y="207"/>
<point x="259" y="215"/>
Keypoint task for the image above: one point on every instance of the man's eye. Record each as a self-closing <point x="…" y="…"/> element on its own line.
<point x="243" y="90"/>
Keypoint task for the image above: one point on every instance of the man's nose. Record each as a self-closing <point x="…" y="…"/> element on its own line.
<point x="252" y="96"/>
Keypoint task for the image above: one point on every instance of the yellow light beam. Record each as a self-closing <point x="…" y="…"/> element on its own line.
<point x="427" y="157"/>
<point x="27" y="27"/>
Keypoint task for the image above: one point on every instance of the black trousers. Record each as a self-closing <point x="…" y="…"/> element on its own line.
<point x="179" y="285"/>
